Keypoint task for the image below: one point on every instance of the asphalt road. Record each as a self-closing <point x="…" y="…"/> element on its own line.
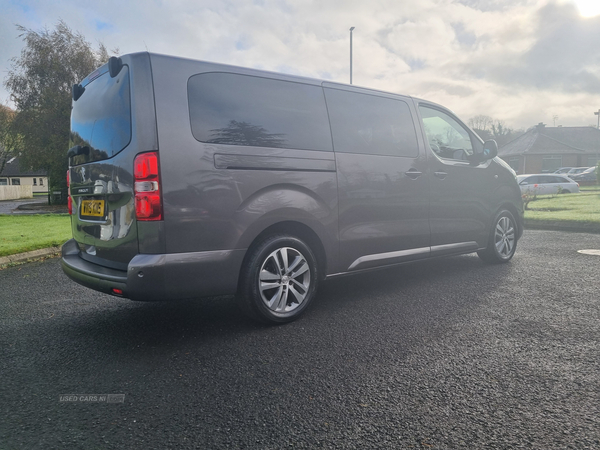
<point x="444" y="354"/>
<point x="10" y="206"/>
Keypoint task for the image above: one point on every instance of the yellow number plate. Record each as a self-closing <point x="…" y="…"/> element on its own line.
<point x="93" y="208"/>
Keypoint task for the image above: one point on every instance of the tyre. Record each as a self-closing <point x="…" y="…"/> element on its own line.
<point x="565" y="191"/>
<point x="502" y="241"/>
<point x="278" y="280"/>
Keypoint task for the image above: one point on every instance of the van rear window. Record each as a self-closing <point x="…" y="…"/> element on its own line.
<point x="234" y="109"/>
<point x="101" y="117"/>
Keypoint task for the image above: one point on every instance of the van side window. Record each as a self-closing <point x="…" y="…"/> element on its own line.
<point x="370" y="124"/>
<point x="447" y="138"/>
<point x="234" y="109"/>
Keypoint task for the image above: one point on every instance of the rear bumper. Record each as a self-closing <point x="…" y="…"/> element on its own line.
<point x="159" y="277"/>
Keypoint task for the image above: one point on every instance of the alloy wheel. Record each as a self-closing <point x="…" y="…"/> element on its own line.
<point x="504" y="237"/>
<point x="284" y="280"/>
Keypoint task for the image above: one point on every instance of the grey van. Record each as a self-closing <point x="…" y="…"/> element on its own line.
<point x="191" y="179"/>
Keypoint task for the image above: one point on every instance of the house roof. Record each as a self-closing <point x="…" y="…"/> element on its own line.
<point x="554" y="140"/>
<point x="12" y="168"/>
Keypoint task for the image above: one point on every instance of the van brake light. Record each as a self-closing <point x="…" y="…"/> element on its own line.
<point x="148" y="201"/>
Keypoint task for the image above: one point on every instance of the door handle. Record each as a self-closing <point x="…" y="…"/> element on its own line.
<point x="440" y="175"/>
<point x="413" y="174"/>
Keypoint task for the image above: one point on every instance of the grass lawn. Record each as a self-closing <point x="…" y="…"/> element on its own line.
<point x="23" y="233"/>
<point x="582" y="208"/>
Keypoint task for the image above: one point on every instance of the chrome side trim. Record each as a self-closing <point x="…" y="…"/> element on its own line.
<point x="381" y="257"/>
<point x="460" y="247"/>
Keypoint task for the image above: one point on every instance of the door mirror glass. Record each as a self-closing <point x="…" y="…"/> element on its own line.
<point x="490" y="149"/>
<point x="486" y="152"/>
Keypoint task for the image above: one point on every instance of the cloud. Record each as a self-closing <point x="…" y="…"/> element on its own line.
<point x="521" y="61"/>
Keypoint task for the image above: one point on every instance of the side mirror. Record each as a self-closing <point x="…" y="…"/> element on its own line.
<point x="487" y="152"/>
<point x="490" y="150"/>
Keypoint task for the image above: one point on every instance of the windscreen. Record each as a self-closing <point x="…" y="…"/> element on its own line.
<point x="101" y="117"/>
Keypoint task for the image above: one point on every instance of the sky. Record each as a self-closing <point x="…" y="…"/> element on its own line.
<point x="519" y="61"/>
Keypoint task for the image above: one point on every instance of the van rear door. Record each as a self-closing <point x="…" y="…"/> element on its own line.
<point x="112" y="121"/>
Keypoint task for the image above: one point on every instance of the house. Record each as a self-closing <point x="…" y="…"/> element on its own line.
<point x="545" y="149"/>
<point x="15" y="175"/>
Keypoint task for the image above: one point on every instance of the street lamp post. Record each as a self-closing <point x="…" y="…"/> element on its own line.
<point x="352" y="28"/>
<point x="597" y="113"/>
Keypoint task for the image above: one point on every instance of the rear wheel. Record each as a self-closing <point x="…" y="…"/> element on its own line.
<point x="502" y="242"/>
<point x="278" y="280"/>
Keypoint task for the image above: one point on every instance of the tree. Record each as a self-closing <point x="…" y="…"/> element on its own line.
<point x="7" y="141"/>
<point x="500" y="132"/>
<point x="40" y="83"/>
<point x="481" y="125"/>
<point x="244" y="133"/>
<point x="489" y="128"/>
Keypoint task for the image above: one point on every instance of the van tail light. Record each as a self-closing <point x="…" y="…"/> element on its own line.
<point x="69" y="199"/>
<point x="148" y="201"/>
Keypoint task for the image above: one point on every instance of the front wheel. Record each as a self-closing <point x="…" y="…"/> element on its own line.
<point x="502" y="242"/>
<point x="278" y="280"/>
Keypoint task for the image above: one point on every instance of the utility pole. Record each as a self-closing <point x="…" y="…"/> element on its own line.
<point x="352" y="28"/>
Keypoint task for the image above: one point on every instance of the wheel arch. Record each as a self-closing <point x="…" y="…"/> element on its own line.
<point x="516" y="214"/>
<point x="300" y="231"/>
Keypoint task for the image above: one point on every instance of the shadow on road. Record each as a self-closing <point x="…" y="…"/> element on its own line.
<point x="409" y="294"/>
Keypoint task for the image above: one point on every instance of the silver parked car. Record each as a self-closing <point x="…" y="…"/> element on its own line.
<point x="588" y="175"/>
<point x="563" y="170"/>
<point x="577" y="170"/>
<point x="547" y="184"/>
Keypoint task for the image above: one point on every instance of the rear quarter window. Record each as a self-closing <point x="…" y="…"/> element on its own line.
<point x="245" y="110"/>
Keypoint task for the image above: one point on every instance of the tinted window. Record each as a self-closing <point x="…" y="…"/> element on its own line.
<point x="363" y="123"/>
<point x="244" y="110"/>
<point x="101" y="117"/>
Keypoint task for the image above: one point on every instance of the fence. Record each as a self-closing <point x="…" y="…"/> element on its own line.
<point x="15" y="192"/>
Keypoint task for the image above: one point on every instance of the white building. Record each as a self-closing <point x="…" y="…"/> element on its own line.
<point x="15" y="175"/>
